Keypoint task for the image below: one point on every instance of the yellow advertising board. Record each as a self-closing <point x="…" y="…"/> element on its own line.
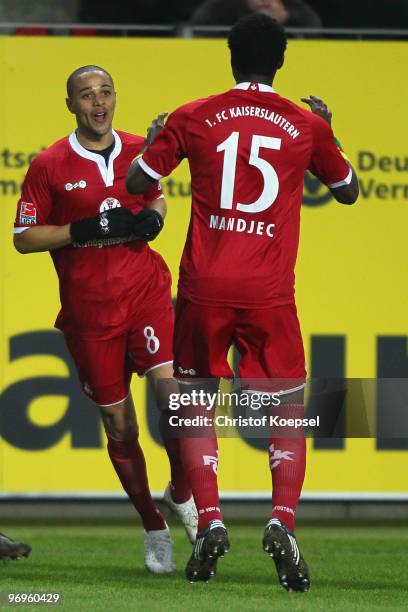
<point x="351" y="272"/>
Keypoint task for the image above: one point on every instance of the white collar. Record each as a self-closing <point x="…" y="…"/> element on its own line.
<point x="260" y="86"/>
<point x="107" y="173"/>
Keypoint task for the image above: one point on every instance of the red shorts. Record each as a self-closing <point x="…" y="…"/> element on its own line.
<point x="268" y="340"/>
<point x="105" y="366"/>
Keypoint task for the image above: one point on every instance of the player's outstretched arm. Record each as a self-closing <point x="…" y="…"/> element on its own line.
<point x="344" y="194"/>
<point x="137" y="181"/>
<point x="159" y="206"/>
<point x="42" y="238"/>
<point x="114" y="223"/>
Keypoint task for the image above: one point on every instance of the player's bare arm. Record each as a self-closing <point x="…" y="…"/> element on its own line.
<point x="137" y="181"/>
<point x="43" y="238"/>
<point x="115" y="223"/>
<point x="346" y="194"/>
<point x="159" y="205"/>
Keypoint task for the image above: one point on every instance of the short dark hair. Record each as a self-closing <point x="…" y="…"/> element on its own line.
<point x="257" y="44"/>
<point x="82" y="70"/>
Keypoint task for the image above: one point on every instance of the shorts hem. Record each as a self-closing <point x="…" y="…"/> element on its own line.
<point x="113" y="403"/>
<point x="154" y="367"/>
<point x="280" y="392"/>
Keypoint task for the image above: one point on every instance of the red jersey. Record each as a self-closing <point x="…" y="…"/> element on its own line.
<point x="103" y="283"/>
<point x="248" y="150"/>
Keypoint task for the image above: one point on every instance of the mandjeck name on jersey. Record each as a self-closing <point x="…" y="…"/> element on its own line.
<point x="231" y="224"/>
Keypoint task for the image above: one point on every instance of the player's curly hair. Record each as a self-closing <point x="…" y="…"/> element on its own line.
<point x="81" y="70"/>
<point x="257" y="44"/>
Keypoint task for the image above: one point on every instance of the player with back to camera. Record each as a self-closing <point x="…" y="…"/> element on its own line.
<point x="116" y="315"/>
<point x="248" y="150"/>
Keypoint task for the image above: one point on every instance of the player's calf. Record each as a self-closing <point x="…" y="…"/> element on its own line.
<point x="281" y="545"/>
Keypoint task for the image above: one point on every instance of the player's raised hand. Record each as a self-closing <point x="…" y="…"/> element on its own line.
<point x="155" y="128"/>
<point x="318" y="107"/>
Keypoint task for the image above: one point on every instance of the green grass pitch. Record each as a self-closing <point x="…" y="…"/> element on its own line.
<point x="100" y="567"/>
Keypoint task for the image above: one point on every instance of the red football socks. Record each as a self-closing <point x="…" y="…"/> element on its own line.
<point x="180" y="486"/>
<point x="200" y="459"/>
<point x="287" y="461"/>
<point x="129" y="462"/>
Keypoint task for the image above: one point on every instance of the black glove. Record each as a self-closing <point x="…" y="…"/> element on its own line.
<point x="147" y="225"/>
<point x="113" y="223"/>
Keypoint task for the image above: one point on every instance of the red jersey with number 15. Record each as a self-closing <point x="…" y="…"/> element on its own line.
<point x="248" y="150"/>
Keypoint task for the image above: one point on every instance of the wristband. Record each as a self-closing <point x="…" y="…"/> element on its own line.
<point x="113" y="223"/>
<point x="147" y="225"/>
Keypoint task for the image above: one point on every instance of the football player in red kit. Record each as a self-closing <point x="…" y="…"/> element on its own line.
<point x="248" y="150"/>
<point x="116" y="314"/>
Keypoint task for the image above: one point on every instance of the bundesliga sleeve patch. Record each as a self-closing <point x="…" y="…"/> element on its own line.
<point x="27" y="214"/>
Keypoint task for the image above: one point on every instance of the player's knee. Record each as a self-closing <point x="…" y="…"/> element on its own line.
<point x="120" y="423"/>
<point x="165" y="390"/>
<point x="121" y="431"/>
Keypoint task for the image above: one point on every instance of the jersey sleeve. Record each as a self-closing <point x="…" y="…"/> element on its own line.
<point x="35" y="203"/>
<point x="168" y="149"/>
<point x="328" y="161"/>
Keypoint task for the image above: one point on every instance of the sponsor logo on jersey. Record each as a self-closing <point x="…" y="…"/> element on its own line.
<point x="27" y="213"/>
<point x="78" y="185"/>
<point x="276" y="456"/>
<point x="190" y="371"/>
<point x="108" y="204"/>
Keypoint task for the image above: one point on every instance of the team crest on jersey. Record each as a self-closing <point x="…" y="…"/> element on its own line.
<point x="78" y="185"/>
<point x="108" y="204"/>
<point x="27" y="213"/>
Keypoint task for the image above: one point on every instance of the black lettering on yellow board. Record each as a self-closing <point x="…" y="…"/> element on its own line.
<point x="81" y="419"/>
<point x="392" y="403"/>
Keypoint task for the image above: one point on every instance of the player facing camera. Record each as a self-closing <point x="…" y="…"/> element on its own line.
<point x="116" y="311"/>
